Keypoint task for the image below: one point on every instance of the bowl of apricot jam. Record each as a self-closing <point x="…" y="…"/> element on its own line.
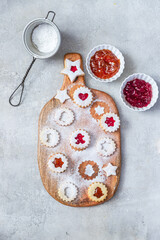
<point x="105" y="63"/>
<point x="139" y="92"/>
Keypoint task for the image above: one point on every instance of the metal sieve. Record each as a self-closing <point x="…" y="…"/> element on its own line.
<point x="27" y="40"/>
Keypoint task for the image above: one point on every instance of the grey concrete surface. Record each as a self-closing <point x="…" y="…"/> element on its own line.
<point x="26" y="210"/>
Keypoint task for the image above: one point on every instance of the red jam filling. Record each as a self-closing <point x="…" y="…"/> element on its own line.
<point x="79" y="138"/>
<point x="73" y="68"/>
<point x="98" y="192"/>
<point x="83" y="96"/>
<point x="110" y="121"/>
<point x="138" y="93"/>
<point x="58" y="162"/>
<point x="104" y="64"/>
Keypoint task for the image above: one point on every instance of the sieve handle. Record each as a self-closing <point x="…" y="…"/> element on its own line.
<point x="49" y="13"/>
<point x="21" y="85"/>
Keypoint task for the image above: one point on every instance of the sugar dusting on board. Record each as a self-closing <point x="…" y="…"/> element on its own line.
<point x="44" y="38"/>
<point x="75" y="158"/>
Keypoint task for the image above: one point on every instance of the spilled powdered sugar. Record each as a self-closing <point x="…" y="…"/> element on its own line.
<point x="83" y="120"/>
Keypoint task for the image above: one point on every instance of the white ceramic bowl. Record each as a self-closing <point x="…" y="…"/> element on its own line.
<point x="146" y="78"/>
<point x="116" y="52"/>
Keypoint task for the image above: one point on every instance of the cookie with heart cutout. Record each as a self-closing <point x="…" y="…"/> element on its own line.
<point x="110" y="122"/>
<point x="79" y="139"/>
<point x="83" y="97"/>
<point x="97" y="192"/>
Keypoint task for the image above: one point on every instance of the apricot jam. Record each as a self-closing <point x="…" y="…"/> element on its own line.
<point x="58" y="162"/>
<point x="104" y="64"/>
<point x="98" y="192"/>
<point x="138" y="93"/>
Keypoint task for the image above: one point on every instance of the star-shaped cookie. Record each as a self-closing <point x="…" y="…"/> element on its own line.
<point x="110" y="170"/>
<point x="62" y="95"/>
<point x="72" y="69"/>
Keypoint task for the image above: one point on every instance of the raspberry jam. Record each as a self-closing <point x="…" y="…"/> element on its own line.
<point x="110" y="121"/>
<point x="58" y="162"/>
<point x="73" y="68"/>
<point x="98" y="192"/>
<point x="83" y="96"/>
<point x="79" y="138"/>
<point x="104" y="64"/>
<point x="138" y="93"/>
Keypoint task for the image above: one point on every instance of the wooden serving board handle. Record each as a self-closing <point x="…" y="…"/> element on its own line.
<point x="80" y="79"/>
<point x="83" y="120"/>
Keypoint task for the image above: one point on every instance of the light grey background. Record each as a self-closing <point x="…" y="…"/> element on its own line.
<point x="26" y="210"/>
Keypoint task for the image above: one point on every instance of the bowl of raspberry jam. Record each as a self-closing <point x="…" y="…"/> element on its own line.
<point x="139" y="92"/>
<point x="105" y="63"/>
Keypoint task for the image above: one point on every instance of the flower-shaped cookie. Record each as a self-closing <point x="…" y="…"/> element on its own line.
<point x="58" y="162"/>
<point x="83" y="97"/>
<point x="110" y="122"/>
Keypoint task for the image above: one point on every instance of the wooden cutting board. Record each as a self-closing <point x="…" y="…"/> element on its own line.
<point x="52" y="181"/>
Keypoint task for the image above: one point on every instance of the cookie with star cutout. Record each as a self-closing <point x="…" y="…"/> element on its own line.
<point x="99" y="108"/>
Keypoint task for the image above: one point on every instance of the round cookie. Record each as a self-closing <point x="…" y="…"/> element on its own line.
<point x="79" y="139"/>
<point x="83" y="97"/>
<point x="106" y="146"/>
<point x="99" y="108"/>
<point x="110" y="122"/>
<point x="68" y="191"/>
<point x="97" y="192"/>
<point x="64" y="116"/>
<point x="88" y="170"/>
<point x="58" y="162"/>
<point x="49" y="137"/>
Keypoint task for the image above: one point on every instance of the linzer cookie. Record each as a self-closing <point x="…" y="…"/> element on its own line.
<point x="99" y="108"/>
<point x="58" y="162"/>
<point x="110" y="122"/>
<point x="83" y="97"/>
<point x="79" y="139"/>
<point x="79" y="153"/>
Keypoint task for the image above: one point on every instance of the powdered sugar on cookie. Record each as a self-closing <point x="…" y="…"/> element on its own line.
<point x="110" y="122"/>
<point x="64" y="116"/>
<point x="83" y="96"/>
<point x="79" y="139"/>
<point x="110" y="170"/>
<point x="49" y="137"/>
<point x="72" y="69"/>
<point x="62" y="95"/>
<point x="58" y="162"/>
<point x="106" y="146"/>
<point x="68" y="191"/>
<point x="99" y="110"/>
